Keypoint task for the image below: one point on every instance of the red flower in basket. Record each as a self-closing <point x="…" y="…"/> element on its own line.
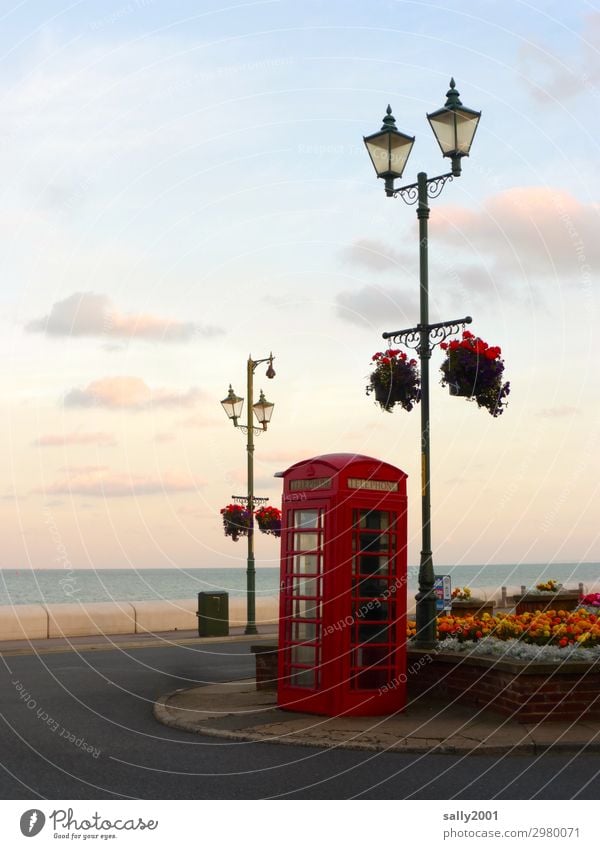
<point x="395" y="380"/>
<point x="236" y="521"/>
<point x="474" y="369"/>
<point x="269" y="520"/>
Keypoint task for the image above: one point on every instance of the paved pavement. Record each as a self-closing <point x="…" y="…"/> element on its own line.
<point x="79" y="724"/>
<point x="238" y="711"/>
<point x="103" y="642"/>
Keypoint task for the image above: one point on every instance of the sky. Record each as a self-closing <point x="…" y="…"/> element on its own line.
<point x="184" y="184"/>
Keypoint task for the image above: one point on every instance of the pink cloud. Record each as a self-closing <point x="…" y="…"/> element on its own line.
<point x="201" y="421"/>
<point x="164" y="437"/>
<point x="76" y="438"/>
<point x="128" y="393"/>
<point x="93" y="314"/>
<point x="101" y="482"/>
<point x="532" y="230"/>
<point x="286" y="456"/>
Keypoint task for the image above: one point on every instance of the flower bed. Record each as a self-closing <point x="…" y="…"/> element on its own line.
<point x="559" y="628"/>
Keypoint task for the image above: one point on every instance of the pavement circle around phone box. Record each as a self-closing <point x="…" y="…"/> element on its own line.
<point x="237" y="711"/>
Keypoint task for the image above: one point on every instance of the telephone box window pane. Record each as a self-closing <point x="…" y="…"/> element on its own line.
<point x="306" y="586"/>
<point x="373" y="633"/>
<point x="306" y="542"/>
<point x="374" y="520"/>
<point x="303" y="678"/>
<point x="374" y="542"/>
<point x="372" y="656"/>
<point x="366" y="564"/>
<point x="303" y="654"/>
<point x="305" y="608"/>
<point x="371" y="587"/>
<point x="369" y="610"/>
<point x="305" y="631"/>
<point x="372" y="679"/>
<point x="306" y="564"/>
<point x="306" y="518"/>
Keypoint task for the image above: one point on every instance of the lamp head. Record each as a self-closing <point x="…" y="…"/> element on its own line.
<point x="389" y="149"/>
<point x="232" y="405"/>
<point x="454" y="127"/>
<point x="263" y="410"/>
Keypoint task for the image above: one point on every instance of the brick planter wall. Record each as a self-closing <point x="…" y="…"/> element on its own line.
<point x="473" y="607"/>
<point x="266" y="666"/>
<point x="528" y="692"/>
<point x="546" y="601"/>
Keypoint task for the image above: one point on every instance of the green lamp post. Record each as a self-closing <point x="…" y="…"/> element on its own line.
<point x="263" y="410"/>
<point x="454" y="127"/>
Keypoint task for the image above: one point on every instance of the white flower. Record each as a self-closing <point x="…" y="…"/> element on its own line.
<point x="518" y="650"/>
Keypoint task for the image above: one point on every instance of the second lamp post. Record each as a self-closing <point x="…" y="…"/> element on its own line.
<point x="454" y="127"/>
<point x="263" y="410"/>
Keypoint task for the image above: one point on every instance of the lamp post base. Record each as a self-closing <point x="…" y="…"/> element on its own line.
<point x="426" y="616"/>
<point x="251" y="629"/>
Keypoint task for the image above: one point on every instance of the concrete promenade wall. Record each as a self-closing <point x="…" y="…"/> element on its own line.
<point x="91" y="619"/>
<point x="24" y="622"/>
<point x="43" y="621"/>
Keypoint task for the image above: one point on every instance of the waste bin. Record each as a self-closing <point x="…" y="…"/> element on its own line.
<point x="213" y="614"/>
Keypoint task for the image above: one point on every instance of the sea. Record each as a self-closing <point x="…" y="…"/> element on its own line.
<point x="52" y="586"/>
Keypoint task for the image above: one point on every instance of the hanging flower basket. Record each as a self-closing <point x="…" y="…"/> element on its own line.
<point x="236" y="521"/>
<point x="395" y="380"/>
<point x="473" y="369"/>
<point x="269" y="520"/>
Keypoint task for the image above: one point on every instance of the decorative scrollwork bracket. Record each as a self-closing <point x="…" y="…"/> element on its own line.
<point x="434" y="334"/>
<point x="256" y="430"/>
<point x="243" y="499"/>
<point x="410" y="193"/>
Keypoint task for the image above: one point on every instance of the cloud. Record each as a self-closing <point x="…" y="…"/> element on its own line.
<point x="473" y="283"/>
<point x="128" y="393"/>
<point x="194" y="512"/>
<point x="531" y="230"/>
<point x="525" y="234"/>
<point x="76" y="438"/>
<point x="376" y="255"/>
<point x="164" y="437"/>
<point x="92" y="314"/>
<point x="559" y="412"/>
<point x="201" y="421"/>
<point x="372" y="305"/>
<point x="99" y="481"/>
<point x="552" y="79"/>
<point x="287" y="456"/>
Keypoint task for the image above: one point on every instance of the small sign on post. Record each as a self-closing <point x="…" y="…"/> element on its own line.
<point x="442" y="587"/>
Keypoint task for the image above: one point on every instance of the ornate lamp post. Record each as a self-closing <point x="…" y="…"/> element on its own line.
<point x="454" y="126"/>
<point x="263" y="410"/>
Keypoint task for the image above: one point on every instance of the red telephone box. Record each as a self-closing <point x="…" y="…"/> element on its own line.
<point x="342" y="631"/>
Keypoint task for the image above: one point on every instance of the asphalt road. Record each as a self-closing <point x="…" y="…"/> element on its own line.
<point x="53" y="707"/>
